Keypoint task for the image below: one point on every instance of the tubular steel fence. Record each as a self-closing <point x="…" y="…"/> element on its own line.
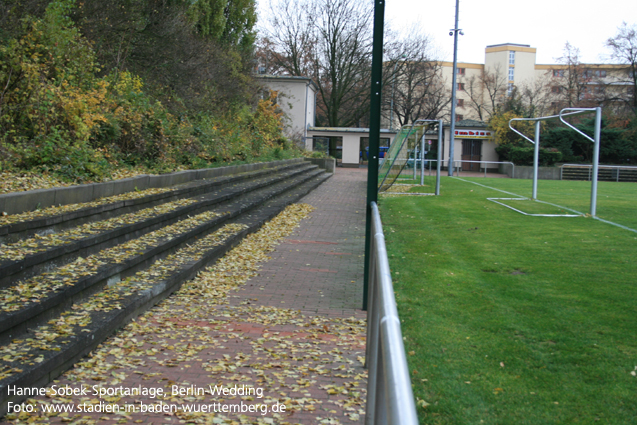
<point x="462" y="161"/>
<point x="615" y="170"/>
<point x="390" y="399"/>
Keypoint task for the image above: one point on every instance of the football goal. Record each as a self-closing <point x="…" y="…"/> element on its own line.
<point x="412" y="163"/>
<point x="595" y="139"/>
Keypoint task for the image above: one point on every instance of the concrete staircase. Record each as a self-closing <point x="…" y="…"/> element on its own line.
<point x="71" y="276"/>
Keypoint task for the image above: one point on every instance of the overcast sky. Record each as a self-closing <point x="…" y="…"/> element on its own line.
<point x="544" y="24"/>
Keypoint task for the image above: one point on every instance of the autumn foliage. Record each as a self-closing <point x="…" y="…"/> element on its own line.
<point x="63" y="112"/>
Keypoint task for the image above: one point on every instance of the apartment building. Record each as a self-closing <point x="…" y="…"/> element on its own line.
<point x="511" y="66"/>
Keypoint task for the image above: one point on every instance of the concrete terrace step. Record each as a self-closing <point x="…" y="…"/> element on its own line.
<point x="25" y="258"/>
<point x="54" y="219"/>
<point x="37" y="297"/>
<point x="18" y="202"/>
<point x="53" y="319"/>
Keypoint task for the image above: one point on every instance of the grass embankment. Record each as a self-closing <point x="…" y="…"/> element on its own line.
<point x="509" y="318"/>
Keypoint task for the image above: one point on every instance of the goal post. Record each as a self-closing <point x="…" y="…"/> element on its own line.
<point x="566" y="112"/>
<point x="406" y="151"/>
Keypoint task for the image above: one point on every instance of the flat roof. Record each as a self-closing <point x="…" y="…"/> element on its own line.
<point x="349" y="130"/>
<point x="292" y="78"/>
<point x="509" y="44"/>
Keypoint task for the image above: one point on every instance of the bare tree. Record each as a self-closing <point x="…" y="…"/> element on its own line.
<point x="287" y="44"/>
<point x="487" y="92"/>
<point x="495" y="86"/>
<point x="475" y="90"/>
<point x="536" y="95"/>
<point x="624" y="49"/>
<point x="572" y="82"/>
<point x="413" y="79"/>
<point x="343" y="60"/>
<point x="331" y="42"/>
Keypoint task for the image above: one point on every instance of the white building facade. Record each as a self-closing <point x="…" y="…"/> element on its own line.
<point x="296" y="96"/>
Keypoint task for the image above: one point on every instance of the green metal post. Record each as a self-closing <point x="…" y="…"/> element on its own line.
<point x="374" y="133"/>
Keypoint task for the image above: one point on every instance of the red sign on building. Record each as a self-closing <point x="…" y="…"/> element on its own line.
<point x="473" y="134"/>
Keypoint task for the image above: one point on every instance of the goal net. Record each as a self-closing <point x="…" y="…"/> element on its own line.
<point x="409" y="165"/>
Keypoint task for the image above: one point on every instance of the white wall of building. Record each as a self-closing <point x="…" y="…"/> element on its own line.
<point x="297" y="99"/>
<point x="351" y="137"/>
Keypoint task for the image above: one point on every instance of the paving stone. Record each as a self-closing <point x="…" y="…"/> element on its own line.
<point x="319" y="268"/>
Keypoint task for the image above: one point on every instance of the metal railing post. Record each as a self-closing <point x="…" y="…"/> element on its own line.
<point x="371" y="357"/>
<point x="380" y="402"/>
<point x="439" y="156"/>
<point x="422" y="160"/>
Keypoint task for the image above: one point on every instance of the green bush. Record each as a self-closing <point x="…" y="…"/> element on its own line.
<point x="64" y="115"/>
<point x="618" y="142"/>
<point x="524" y="155"/>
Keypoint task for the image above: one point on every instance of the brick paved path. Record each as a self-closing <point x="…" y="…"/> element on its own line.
<point x="319" y="269"/>
<point x="294" y="335"/>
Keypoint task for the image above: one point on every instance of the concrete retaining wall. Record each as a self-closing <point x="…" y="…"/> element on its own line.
<point x="526" y="172"/>
<point x="327" y="164"/>
<point x="17" y="202"/>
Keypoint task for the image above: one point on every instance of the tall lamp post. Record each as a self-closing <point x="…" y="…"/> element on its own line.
<point x="454" y="32"/>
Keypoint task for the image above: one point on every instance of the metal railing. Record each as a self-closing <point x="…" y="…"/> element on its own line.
<point x="390" y="399"/>
<point x="590" y="169"/>
<point x="462" y="161"/>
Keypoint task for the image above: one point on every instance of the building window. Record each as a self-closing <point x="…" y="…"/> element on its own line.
<point x="511" y="73"/>
<point x="461" y="86"/>
<point x="556" y="89"/>
<point x="460" y="103"/>
<point x="460" y="71"/>
<point x="558" y="72"/>
<point x="595" y="73"/>
<point x="459" y="117"/>
<point x="511" y="58"/>
<point x="510" y="89"/>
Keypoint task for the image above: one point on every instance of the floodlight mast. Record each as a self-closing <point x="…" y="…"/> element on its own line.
<point x="452" y="131"/>
<point x="595" y="139"/>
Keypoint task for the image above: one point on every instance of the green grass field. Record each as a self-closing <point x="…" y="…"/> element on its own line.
<point x="512" y="319"/>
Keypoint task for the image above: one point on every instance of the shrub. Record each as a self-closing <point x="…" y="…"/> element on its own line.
<point x="524" y="156"/>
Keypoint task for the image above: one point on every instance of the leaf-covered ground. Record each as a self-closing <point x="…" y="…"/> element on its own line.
<point x="19" y="250"/>
<point x="30" y="180"/>
<point x="312" y="365"/>
<point x="61" y="209"/>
